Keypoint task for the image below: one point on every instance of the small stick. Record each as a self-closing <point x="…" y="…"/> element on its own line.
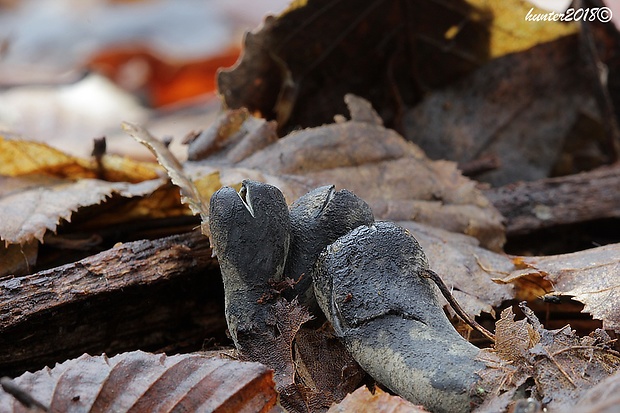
<point x="606" y="350"/>
<point x="21" y="395"/>
<point x="456" y="306"/>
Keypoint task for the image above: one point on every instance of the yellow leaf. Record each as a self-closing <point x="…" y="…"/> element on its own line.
<point x="21" y="158"/>
<point x="512" y="32"/>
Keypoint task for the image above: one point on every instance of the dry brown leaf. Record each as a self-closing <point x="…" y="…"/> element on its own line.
<point x="215" y="137"/>
<point x="363" y="401"/>
<point x="139" y="382"/>
<point x="19" y="157"/>
<point x="39" y="204"/>
<point x="376" y="164"/>
<point x="564" y="366"/>
<point x="378" y="49"/>
<point x="274" y="348"/>
<point x="325" y="367"/>
<point x="232" y="137"/>
<point x="589" y="276"/>
<point x="513" y="339"/>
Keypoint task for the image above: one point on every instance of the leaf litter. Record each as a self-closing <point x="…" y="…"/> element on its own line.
<point x="469" y="254"/>
<point x="562" y="367"/>
<point x="370" y="160"/>
<point x="556" y="360"/>
<point x="518" y="342"/>
<point x="381" y="50"/>
<point x="483" y="116"/>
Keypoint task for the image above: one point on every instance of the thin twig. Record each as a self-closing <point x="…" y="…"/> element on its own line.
<point x="606" y="350"/>
<point x="456" y="306"/>
<point x="559" y="367"/>
<point x="21" y="395"/>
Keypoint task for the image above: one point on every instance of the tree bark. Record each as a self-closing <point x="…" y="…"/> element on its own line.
<point x="160" y="294"/>
<point x="530" y="206"/>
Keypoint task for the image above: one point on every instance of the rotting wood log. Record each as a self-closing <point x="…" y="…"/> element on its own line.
<point x="164" y="293"/>
<point x="530" y="206"/>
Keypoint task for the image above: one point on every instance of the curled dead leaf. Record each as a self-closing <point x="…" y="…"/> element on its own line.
<point x="381" y="50"/>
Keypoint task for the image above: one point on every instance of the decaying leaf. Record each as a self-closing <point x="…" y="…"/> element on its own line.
<point x="465" y="267"/>
<point x="297" y="67"/>
<point x="19" y="157"/>
<point x="589" y="276"/>
<point x="516" y="110"/>
<point x="325" y="367"/>
<point x="42" y="189"/>
<point x="138" y="382"/>
<point x="513" y="339"/>
<point x="233" y="137"/>
<point x="376" y="164"/>
<point x="214" y="138"/>
<point x="363" y="401"/>
<point x="602" y="398"/>
<point x="275" y="349"/>
<point x="562" y="365"/>
<point x="38" y="204"/>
